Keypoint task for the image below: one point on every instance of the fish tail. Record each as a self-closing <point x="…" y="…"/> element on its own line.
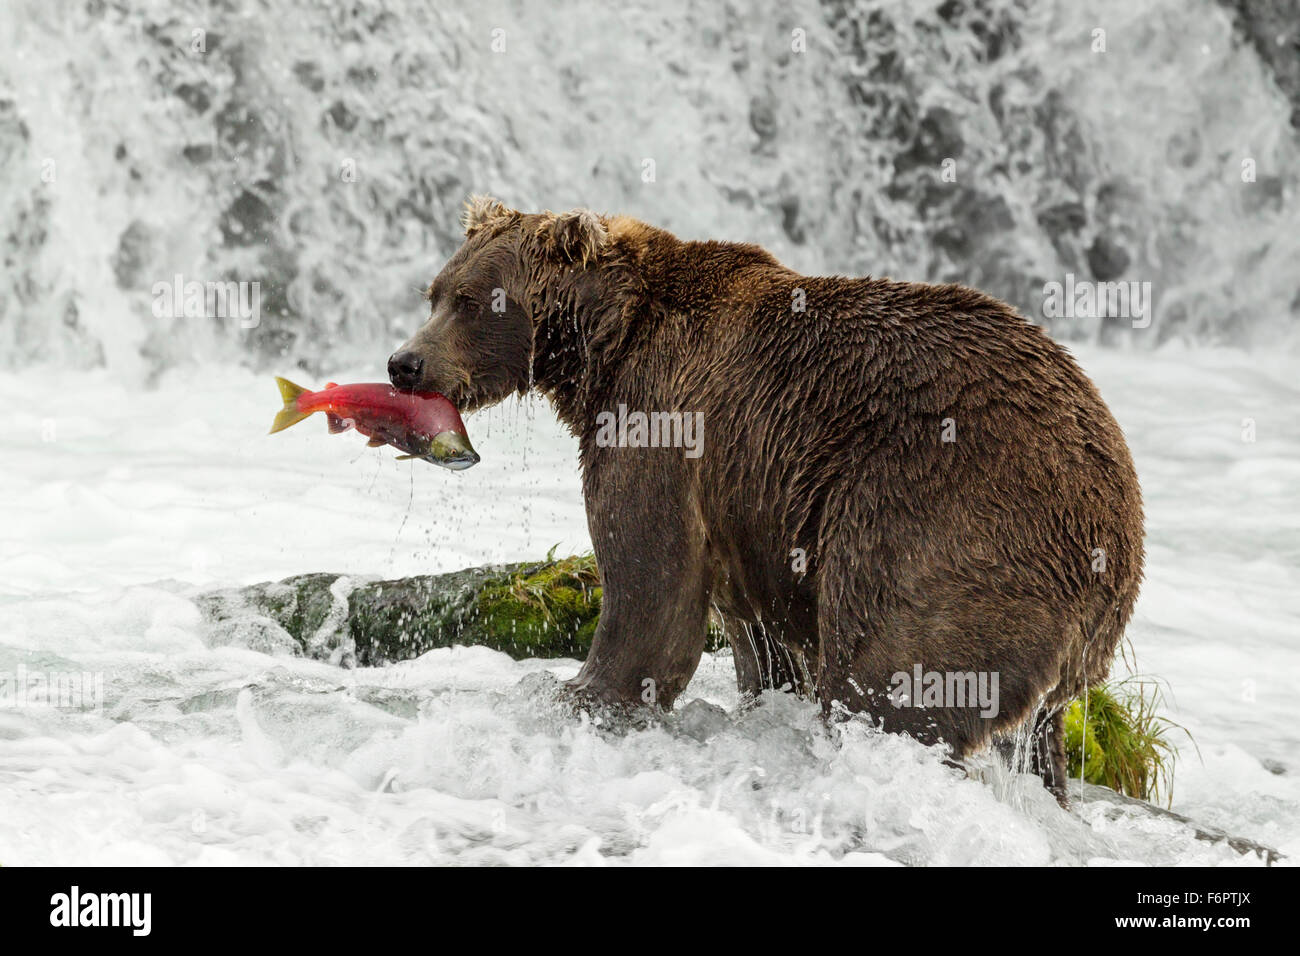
<point x="291" y="414"/>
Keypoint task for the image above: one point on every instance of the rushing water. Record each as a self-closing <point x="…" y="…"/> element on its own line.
<point x="201" y="750"/>
<point x="323" y="151"/>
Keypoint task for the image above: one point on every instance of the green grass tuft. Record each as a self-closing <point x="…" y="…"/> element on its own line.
<point x="1123" y="742"/>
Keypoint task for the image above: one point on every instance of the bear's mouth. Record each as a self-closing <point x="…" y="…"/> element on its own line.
<point x="466" y="399"/>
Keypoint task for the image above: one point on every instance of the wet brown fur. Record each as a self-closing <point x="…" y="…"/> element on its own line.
<point x="822" y="432"/>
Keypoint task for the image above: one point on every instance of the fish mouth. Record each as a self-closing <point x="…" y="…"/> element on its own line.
<point x="456" y="462"/>
<point x="451" y="450"/>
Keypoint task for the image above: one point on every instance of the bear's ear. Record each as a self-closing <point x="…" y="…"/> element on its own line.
<point x="577" y="236"/>
<point x="480" y="211"/>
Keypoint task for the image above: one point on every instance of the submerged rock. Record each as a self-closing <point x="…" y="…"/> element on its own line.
<point x="701" y="720"/>
<point x="1118" y="806"/>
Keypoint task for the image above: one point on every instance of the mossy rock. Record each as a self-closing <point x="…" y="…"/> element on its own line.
<point x="538" y="609"/>
<point x="545" y="610"/>
<point x="298" y="604"/>
<point x="401" y="619"/>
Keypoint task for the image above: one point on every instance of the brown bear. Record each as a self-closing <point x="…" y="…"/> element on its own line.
<point x="892" y="480"/>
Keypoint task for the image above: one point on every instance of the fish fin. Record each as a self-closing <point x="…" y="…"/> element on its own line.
<point x="405" y="457"/>
<point x="331" y="384"/>
<point x="337" y="424"/>
<point x="289" y="392"/>
<point x="375" y="442"/>
<point x="291" y="414"/>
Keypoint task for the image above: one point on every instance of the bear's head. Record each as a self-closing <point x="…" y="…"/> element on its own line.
<point x="490" y="303"/>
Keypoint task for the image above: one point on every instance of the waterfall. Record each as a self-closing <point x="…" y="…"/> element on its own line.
<point x="321" y="155"/>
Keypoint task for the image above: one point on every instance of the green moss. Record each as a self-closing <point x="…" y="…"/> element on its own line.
<point x="1115" y="738"/>
<point x="543" y="610"/>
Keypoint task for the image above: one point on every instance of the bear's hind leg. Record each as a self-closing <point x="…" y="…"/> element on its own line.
<point x="882" y="624"/>
<point x="1047" y="754"/>
<point x="762" y="661"/>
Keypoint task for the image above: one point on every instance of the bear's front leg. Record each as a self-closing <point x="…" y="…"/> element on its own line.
<point x="655" y="581"/>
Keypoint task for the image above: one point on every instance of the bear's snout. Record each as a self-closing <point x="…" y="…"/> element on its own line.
<point x="404" y="369"/>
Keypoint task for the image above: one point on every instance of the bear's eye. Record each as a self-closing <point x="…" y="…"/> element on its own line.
<point x="467" y="305"/>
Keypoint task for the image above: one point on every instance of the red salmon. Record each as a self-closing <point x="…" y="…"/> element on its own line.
<point x="422" y="424"/>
